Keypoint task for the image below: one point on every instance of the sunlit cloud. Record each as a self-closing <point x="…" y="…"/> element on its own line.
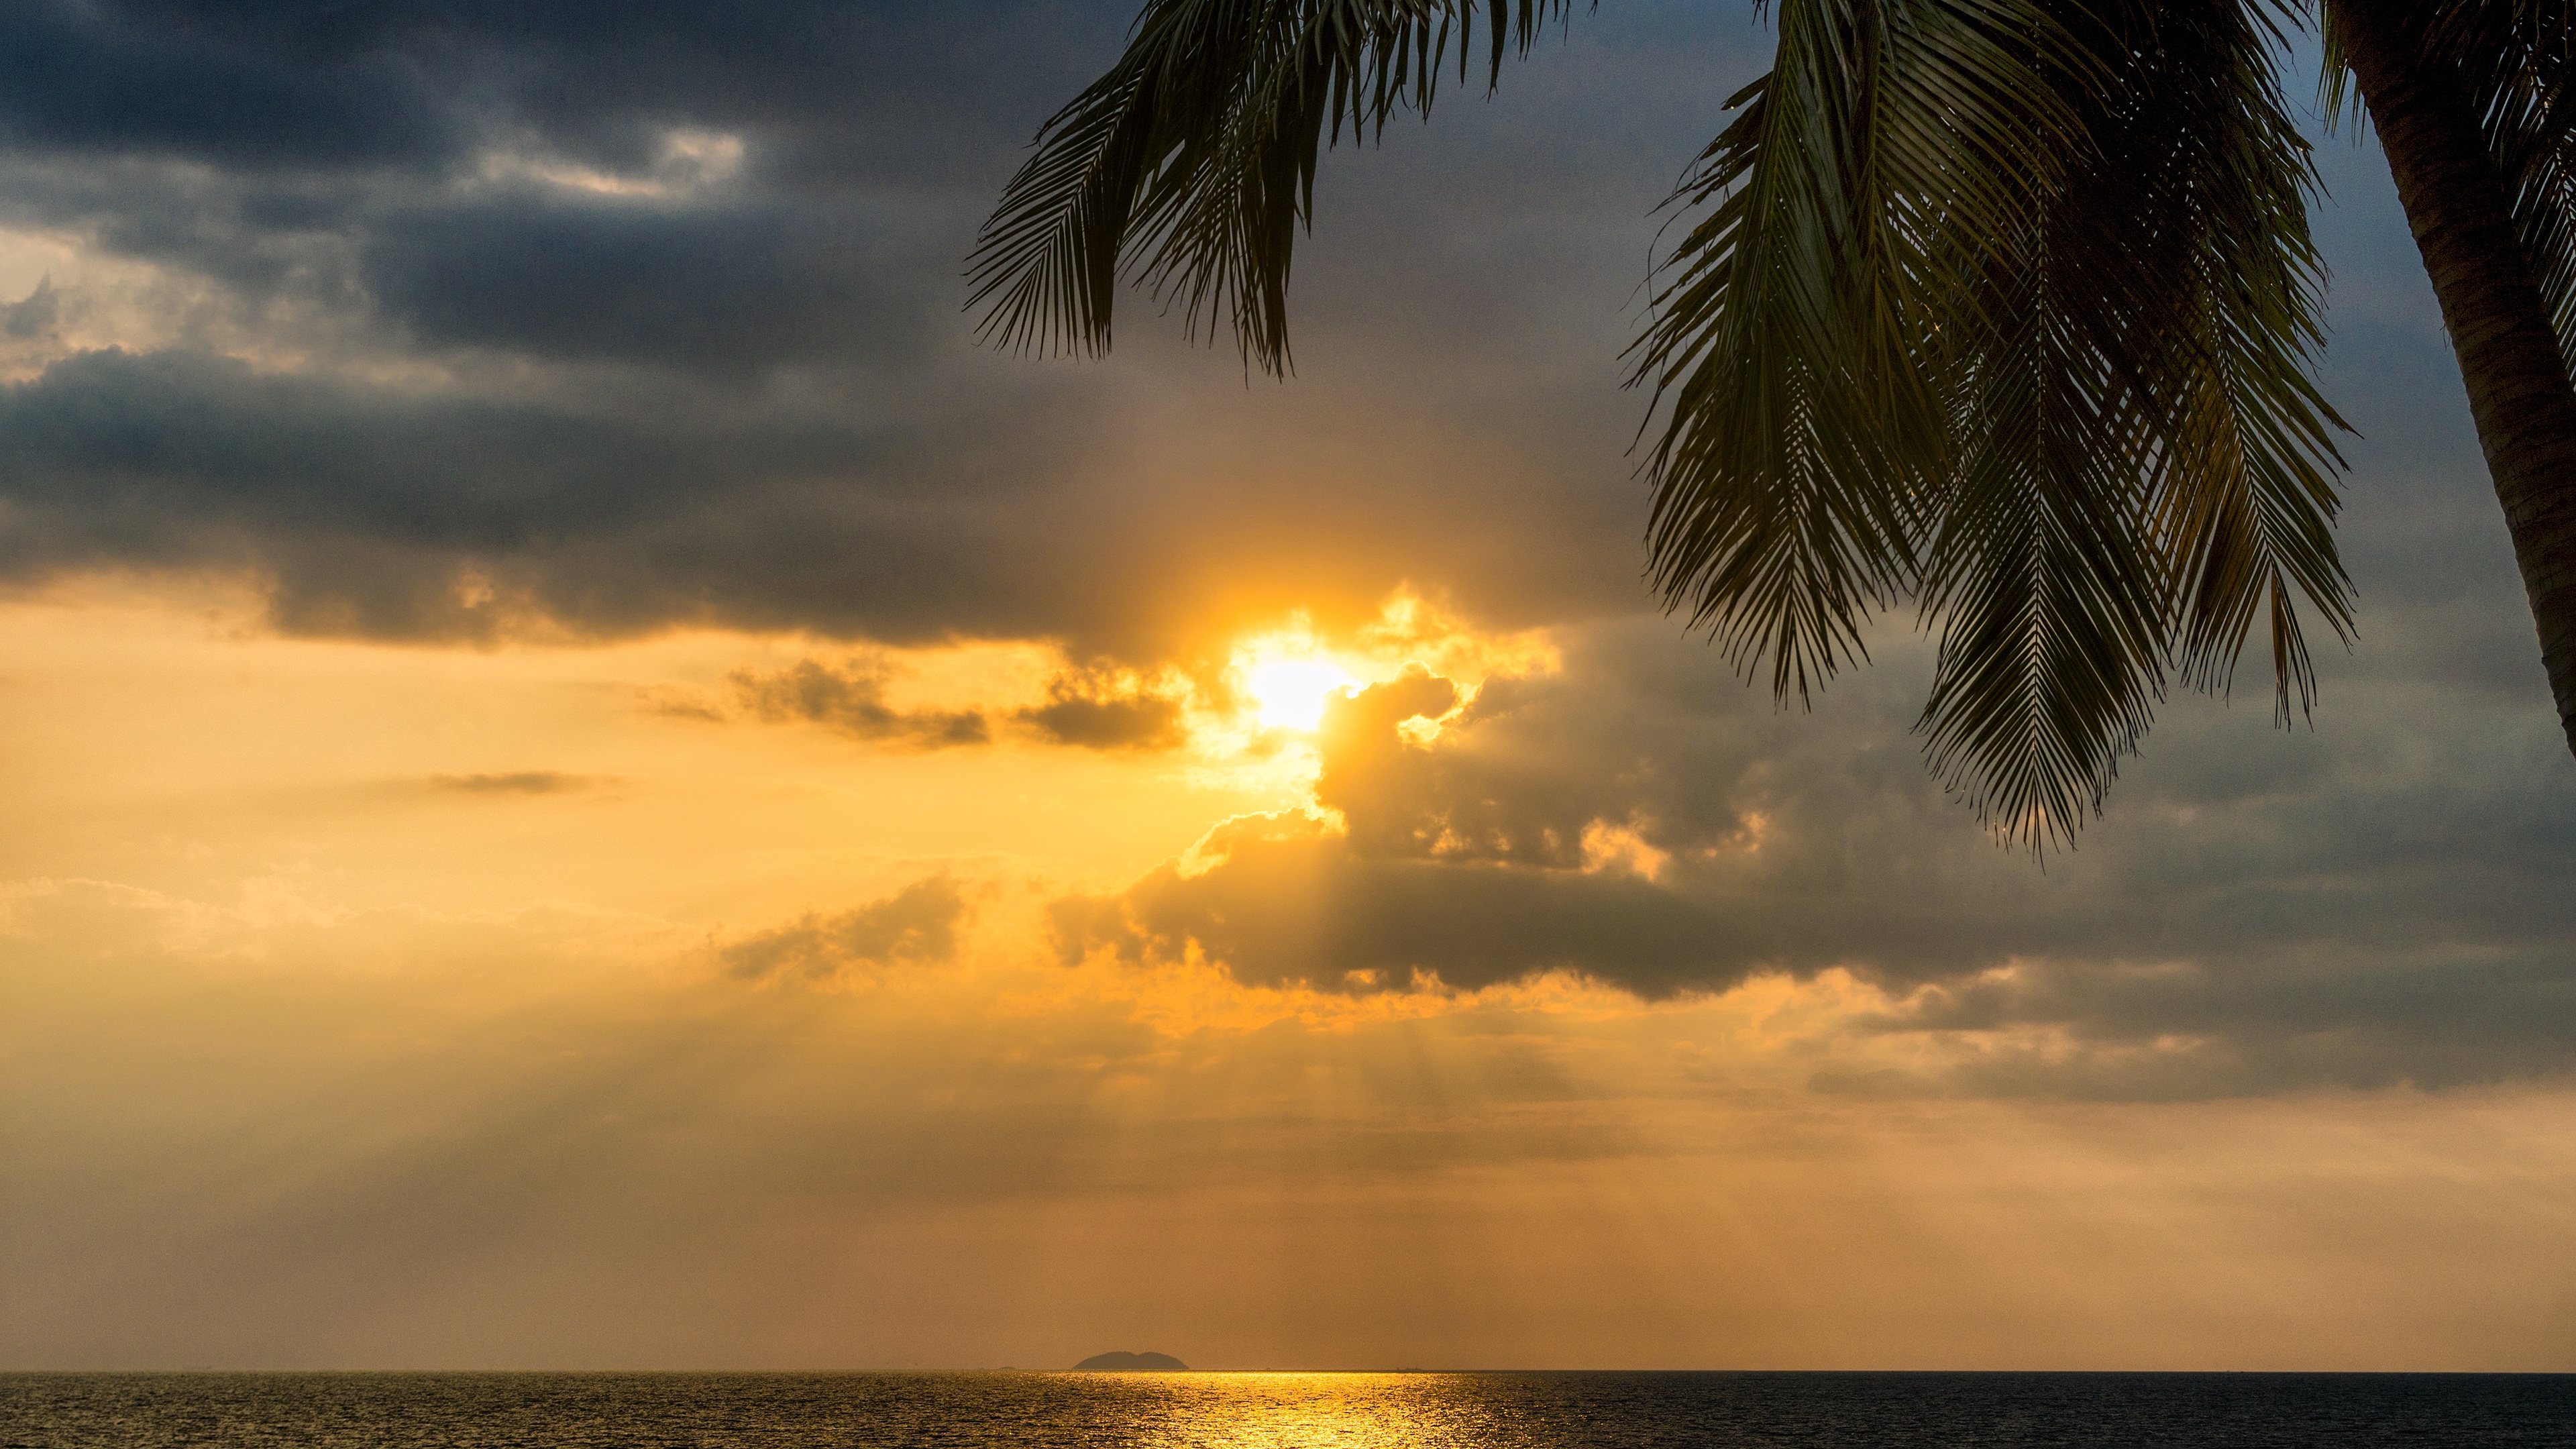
<point x="687" y="160"/>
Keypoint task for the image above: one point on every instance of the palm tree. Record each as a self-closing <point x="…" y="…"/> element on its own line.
<point x="2005" y="309"/>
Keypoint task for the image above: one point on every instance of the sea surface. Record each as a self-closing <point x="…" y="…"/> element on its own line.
<point x="1281" y="1410"/>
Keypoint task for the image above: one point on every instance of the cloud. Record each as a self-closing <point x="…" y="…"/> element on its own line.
<point x="515" y="782"/>
<point x="916" y="926"/>
<point x="1107" y="714"/>
<point x="727" y="288"/>
<point x="2269" y="913"/>
<point x="1436" y="871"/>
<point x="1292" y="903"/>
<point x="34" y="315"/>
<point x="84" y="79"/>
<point x="851" y="698"/>
<point x="1444" y="802"/>
<point x="2187" y="1029"/>
<point x="282" y="84"/>
<point x="416" y="311"/>
<point x="957" y="502"/>
<point x="385" y="512"/>
<point x="1084" y="709"/>
<point x="436" y="340"/>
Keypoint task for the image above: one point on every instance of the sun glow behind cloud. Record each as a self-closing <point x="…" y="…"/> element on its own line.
<point x="1289" y="675"/>
<point x="1292" y="693"/>
<point x="594" y="896"/>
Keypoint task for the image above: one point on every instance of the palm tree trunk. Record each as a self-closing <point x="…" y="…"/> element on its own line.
<point x="2519" y="390"/>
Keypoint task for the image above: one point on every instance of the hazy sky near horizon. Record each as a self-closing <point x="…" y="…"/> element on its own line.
<point x="584" y="781"/>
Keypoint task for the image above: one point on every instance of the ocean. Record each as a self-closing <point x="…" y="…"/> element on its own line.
<point x="1282" y="1410"/>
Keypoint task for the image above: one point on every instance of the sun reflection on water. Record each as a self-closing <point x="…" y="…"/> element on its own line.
<point x="1309" y="1411"/>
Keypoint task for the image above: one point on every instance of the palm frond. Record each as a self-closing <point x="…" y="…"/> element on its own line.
<point x="1796" y="339"/>
<point x="1190" y="167"/>
<point x="2044" y="572"/>
<point x="2012" y="308"/>
<point x="2164" y="472"/>
<point x="2513" y="61"/>
<point x="2247" y="500"/>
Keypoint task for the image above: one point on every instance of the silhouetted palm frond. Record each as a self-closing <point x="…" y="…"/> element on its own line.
<point x="2513" y="60"/>
<point x="1190" y="167"/>
<point x="2010" y="306"/>
<point x="1796" y="342"/>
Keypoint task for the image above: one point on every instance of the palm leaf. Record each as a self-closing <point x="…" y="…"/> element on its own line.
<point x="2043" y="571"/>
<point x="2013" y="311"/>
<point x="1190" y="167"/>
<point x="1796" y="340"/>
<point x="2247" y="500"/>
<point x="2513" y="60"/>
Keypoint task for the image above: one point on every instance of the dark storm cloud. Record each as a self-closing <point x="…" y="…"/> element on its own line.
<point x="915" y="926"/>
<point x="914" y="509"/>
<point x="169" y="439"/>
<point x="851" y="698"/>
<point x="251" y="84"/>
<point x="33" y="315"/>
<point x="101" y="79"/>
<point x="388" y="512"/>
<point x="725" y="288"/>
<point x="593" y="467"/>
<point x="253" y="240"/>
<point x="343" y="151"/>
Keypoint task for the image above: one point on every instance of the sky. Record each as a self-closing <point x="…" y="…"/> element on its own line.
<point x="585" y="781"/>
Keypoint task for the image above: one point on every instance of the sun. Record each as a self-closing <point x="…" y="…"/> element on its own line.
<point x="1291" y="693"/>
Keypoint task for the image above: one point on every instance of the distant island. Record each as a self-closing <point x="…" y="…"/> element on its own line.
<point x="1131" y="1363"/>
